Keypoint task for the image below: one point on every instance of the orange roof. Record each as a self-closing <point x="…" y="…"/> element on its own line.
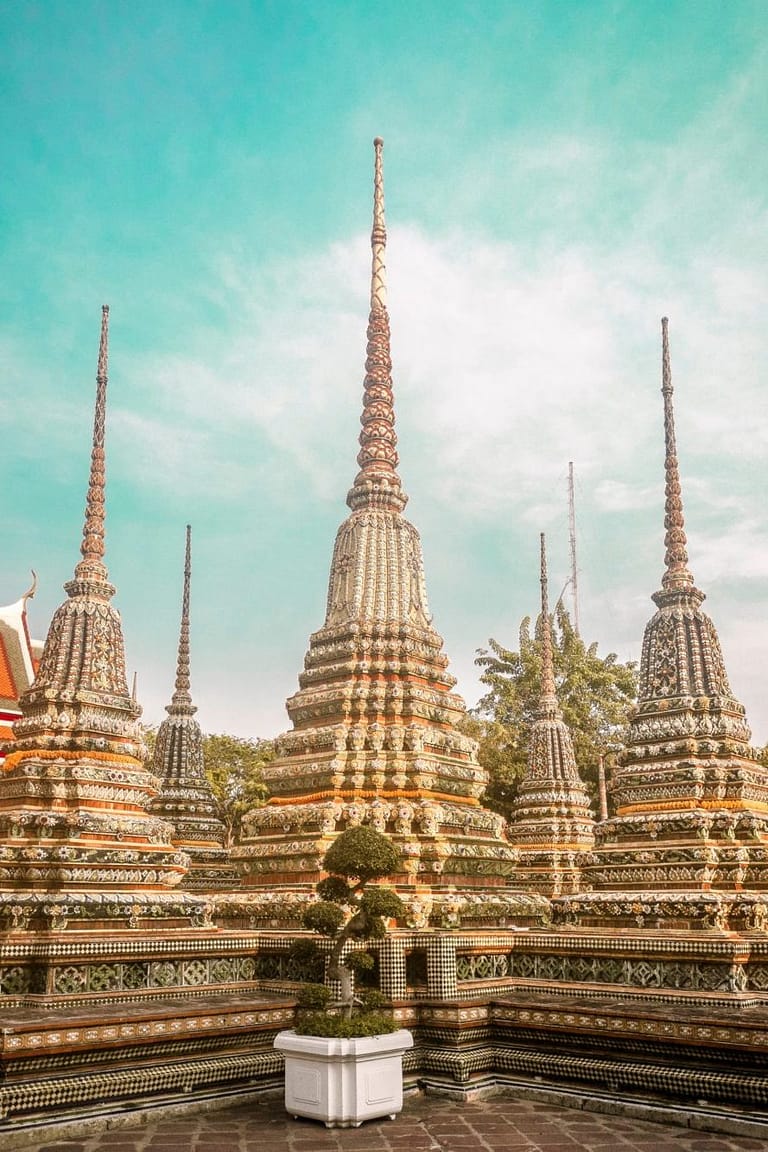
<point x="17" y="653"/>
<point x="9" y="687"/>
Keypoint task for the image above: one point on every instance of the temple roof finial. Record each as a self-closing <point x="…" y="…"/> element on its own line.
<point x="32" y="588"/>
<point x="676" y="575"/>
<point x="92" y="567"/>
<point x="377" y="485"/>
<point x="182" y="696"/>
<point x="378" y="232"/>
<point x="548" y="699"/>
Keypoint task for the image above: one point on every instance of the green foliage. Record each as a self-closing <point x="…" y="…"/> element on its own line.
<point x="304" y="949"/>
<point x="372" y="1023"/>
<point x="595" y="694"/>
<point x="325" y="918"/>
<point x="149" y="736"/>
<point x="381" y="902"/>
<point x="314" y="996"/>
<point x="334" y="888"/>
<point x="233" y="767"/>
<point x="351" y="908"/>
<point x="371" y="999"/>
<point x="359" y="961"/>
<point x="363" y="854"/>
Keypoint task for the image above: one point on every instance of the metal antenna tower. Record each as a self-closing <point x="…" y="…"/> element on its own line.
<point x="572" y="534"/>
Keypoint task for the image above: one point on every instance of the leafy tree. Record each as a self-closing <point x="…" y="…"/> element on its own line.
<point x="351" y="907"/>
<point x="149" y="736"/>
<point x="233" y="767"/>
<point x="595" y="694"/>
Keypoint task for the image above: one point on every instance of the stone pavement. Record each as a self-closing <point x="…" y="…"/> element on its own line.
<point x="427" y="1124"/>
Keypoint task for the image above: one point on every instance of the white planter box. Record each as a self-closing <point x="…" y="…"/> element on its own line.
<point x="343" y="1082"/>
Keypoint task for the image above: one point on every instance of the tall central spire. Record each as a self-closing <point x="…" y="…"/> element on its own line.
<point x="376" y="735"/>
<point x="677" y="575"/>
<point x="92" y="567"/>
<point x="377" y="485"/>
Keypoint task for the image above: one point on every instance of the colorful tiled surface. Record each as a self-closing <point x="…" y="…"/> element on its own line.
<point x="501" y="1124"/>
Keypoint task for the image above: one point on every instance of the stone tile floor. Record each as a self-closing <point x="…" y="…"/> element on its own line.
<point x="431" y="1124"/>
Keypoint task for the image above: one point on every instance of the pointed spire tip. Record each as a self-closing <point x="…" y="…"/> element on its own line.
<point x="377" y="483"/>
<point x="92" y="567"/>
<point x="676" y="575"/>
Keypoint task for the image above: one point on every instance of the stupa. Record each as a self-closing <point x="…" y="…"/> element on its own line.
<point x="78" y="847"/>
<point x="687" y="845"/>
<point x="116" y="985"/>
<point x="376" y="735"/>
<point x="185" y="798"/>
<point x="552" y="821"/>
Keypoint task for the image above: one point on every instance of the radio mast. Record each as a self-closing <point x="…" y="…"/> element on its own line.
<point x="572" y="534"/>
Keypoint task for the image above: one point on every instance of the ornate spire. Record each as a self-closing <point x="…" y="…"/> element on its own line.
<point x="377" y="485"/>
<point x="182" y="698"/>
<point x="676" y="575"/>
<point x="551" y="819"/>
<point x="378" y="232"/>
<point x="548" y="699"/>
<point x="92" y="567"/>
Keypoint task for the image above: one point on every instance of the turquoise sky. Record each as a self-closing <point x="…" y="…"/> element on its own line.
<point x="558" y="177"/>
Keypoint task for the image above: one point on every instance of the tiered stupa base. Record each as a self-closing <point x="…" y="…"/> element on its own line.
<point x="688" y="846"/>
<point x="376" y="742"/>
<point x="68" y="858"/>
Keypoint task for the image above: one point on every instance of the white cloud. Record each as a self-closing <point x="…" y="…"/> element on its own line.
<point x="516" y="349"/>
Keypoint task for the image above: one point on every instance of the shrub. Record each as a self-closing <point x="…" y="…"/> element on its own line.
<point x="359" y="1024"/>
<point x="350" y="908"/>
<point x="314" y="996"/>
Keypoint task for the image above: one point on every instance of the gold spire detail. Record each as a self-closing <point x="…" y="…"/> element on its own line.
<point x="92" y="567"/>
<point x="377" y="485"/>
<point x="676" y="575"/>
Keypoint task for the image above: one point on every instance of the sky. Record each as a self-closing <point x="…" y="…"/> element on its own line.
<point x="558" y="177"/>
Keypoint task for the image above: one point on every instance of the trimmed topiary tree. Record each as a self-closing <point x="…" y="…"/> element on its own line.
<point x="351" y="907"/>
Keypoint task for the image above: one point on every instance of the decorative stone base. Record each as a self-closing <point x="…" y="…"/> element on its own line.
<point x="681" y="911"/>
<point x="58" y="972"/>
<point x="75" y="1062"/>
<point x="672" y="1015"/>
<point x="283" y="909"/>
<point x="113" y="911"/>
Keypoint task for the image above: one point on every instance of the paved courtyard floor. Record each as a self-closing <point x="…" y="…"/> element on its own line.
<point x="432" y="1123"/>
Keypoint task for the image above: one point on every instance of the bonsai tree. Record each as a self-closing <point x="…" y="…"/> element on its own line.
<point x="351" y="907"/>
